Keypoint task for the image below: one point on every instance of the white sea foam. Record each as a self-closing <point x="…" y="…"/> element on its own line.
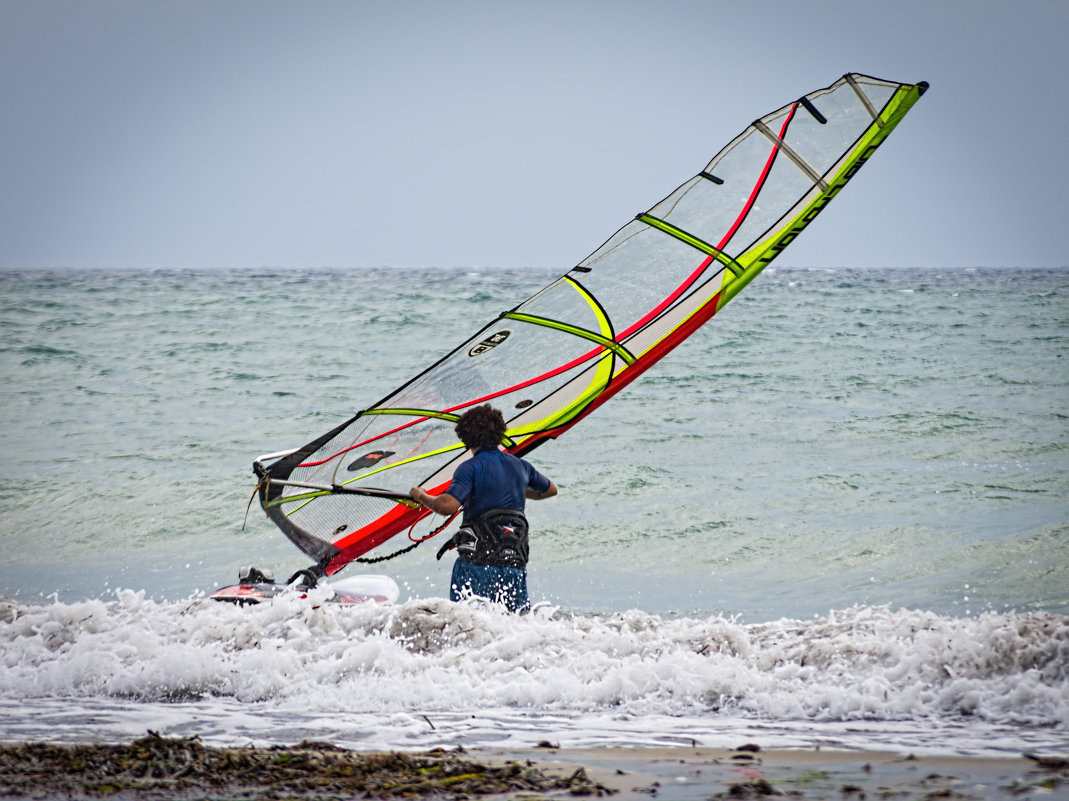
<point x="473" y="671"/>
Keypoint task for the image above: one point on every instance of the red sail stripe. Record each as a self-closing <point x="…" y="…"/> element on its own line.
<point x="760" y="182"/>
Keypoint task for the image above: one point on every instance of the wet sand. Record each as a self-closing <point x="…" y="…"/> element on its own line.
<point x="163" y="768"/>
<point x="751" y="772"/>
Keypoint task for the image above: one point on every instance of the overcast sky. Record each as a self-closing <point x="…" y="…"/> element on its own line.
<point x="250" y="133"/>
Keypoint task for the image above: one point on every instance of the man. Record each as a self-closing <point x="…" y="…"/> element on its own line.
<point x="493" y="487"/>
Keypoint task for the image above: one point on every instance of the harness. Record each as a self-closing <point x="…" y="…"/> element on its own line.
<point x="496" y="538"/>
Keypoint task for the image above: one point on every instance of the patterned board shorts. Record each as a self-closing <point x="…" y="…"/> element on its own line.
<point x="503" y="585"/>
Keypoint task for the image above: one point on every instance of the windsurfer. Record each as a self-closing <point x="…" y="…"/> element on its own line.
<point x="492" y="487"/>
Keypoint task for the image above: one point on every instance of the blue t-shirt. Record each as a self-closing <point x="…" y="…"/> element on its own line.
<point x="492" y="479"/>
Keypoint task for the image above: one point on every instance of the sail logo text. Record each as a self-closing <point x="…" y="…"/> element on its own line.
<point x="490" y="342"/>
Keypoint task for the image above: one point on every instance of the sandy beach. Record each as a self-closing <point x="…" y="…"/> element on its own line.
<point x="156" y="767"/>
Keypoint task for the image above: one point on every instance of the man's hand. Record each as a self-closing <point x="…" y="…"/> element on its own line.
<point x="444" y="504"/>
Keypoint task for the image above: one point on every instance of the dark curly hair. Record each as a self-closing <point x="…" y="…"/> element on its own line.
<point x="481" y="427"/>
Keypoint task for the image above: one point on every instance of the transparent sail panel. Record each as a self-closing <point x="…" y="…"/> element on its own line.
<point x="638" y="270"/>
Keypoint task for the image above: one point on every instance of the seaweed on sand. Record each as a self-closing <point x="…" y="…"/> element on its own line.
<point x="159" y="767"/>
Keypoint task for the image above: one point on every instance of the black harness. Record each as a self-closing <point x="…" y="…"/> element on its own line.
<point x="496" y="538"/>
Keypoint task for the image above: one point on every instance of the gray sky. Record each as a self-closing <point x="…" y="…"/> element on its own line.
<point x="249" y="133"/>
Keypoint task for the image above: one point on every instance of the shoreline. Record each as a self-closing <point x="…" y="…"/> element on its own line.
<point x="159" y="767"/>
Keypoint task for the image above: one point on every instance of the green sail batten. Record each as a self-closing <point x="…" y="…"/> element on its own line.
<point x="693" y="241"/>
<point x="447" y="416"/>
<point x="452" y="418"/>
<point x="304" y="496"/>
<point x="605" y="342"/>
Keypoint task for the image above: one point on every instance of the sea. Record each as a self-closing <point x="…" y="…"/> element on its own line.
<point x="837" y="516"/>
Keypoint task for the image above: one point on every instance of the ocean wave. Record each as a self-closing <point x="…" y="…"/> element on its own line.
<point x="861" y="663"/>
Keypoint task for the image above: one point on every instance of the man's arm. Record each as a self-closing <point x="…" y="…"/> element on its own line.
<point x="535" y="495"/>
<point x="444" y="504"/>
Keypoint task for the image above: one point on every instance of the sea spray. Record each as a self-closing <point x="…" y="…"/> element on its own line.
<point x="430" y="656"/>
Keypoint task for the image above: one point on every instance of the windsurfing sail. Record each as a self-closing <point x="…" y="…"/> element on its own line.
<point x="563" y="352"/>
